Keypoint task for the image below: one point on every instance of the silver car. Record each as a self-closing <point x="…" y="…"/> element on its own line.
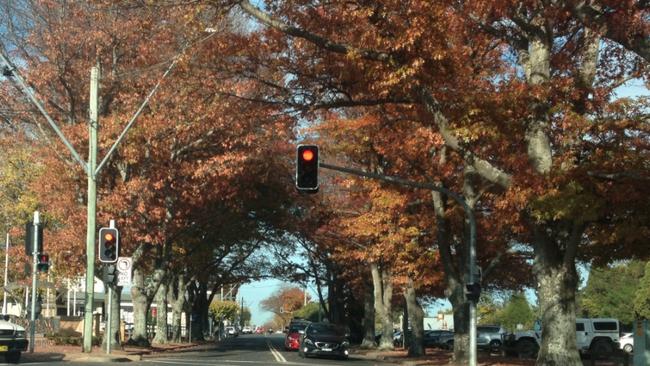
<point x="489" y="337"/>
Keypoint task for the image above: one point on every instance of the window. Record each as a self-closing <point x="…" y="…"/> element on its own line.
<point x="580" y="327"/>
<point x="606" y="326"/>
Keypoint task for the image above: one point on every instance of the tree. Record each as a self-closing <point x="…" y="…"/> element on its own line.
<point x="512" y="95"/>
<point x="224" y="310"/>
<point x="642" y="298"/>
<point x="517" y="311"/>
<point x="609" y="290"/>
<point x="283" y="303"/>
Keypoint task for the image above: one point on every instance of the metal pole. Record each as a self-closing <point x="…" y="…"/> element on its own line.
<point x="91" y="211"/>
<point x="109" y="336"/>
<point x="68" y="302"/>
<point x="472" y="235"/>
<point x="32" y="324"/>
<point x="74" y="301"/>
<point x="4" y="292"/>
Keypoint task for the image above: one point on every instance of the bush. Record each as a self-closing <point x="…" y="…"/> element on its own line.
<point x="69" y="337"/>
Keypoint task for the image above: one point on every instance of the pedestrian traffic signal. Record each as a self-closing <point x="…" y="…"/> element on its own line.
<point x="42" y="262"/>
<point x="108" y="245"/>
<point x="473" y="291"/>
<point x="307" y="168"/>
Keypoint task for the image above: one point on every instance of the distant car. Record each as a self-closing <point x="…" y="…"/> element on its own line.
<point x="626" y="342"/>
<point x="259" y="330"/>
<point x="247" y="330"/>
<point x="231" y="332"/>
<point x="294" y="332"/>
<point x="324" y="339"/>
<point x="269" y="331"/>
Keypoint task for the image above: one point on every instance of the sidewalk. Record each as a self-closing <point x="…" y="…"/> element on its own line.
<point x="51" y="353"/>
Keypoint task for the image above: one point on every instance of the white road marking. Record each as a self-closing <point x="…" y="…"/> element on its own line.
<point x="277" y="355"/>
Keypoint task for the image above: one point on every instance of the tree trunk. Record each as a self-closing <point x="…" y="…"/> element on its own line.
<point x="368" y="319"/>
<point x="557" y="280"/>
<point x="140" y="309"/>
<point x="161" y="315"/>
<point x="416" y="316"/>
<point x="461" y="329"/>
<point x="178" y="303"/>
<point x="115" y="317"/>
<point x="383" y="293"/>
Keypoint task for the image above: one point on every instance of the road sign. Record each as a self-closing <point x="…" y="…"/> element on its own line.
<point x="124" y="271"/>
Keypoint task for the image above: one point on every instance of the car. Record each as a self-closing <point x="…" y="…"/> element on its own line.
<point x="324" y="339"/>
<point x="247" y="330"/>
<point x="626" y="342"/>
<point x="294" y="331"/>
<point x="259" y="330"/>
<point x="489" y="337"/>
<point x="13" y="340"/>
<point x="433" y="338"/>
<point x="231" y="332"/>
<point x="594" y="336"/>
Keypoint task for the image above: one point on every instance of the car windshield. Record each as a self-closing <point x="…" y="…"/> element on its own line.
<point x="325" y="329"/>
<point x="297" y="327"/>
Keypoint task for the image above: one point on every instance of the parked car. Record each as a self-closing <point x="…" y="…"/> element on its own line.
<point x="294" y="331"/>
<point x="247" y="330"/>
<point x="324" y="339"/>
<point x="432" y="338"/>
<point x="13" y="340"/>
<point x="595" y="336"/>
<point x="489" y="337"/>
<point x="626" y="342"/>
<point x="231" y="332"/>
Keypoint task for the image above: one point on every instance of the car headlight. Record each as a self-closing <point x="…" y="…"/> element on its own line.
<point x="345" y="344"/>
<point x="20" y="334"/>
<point x="308" y="341"/>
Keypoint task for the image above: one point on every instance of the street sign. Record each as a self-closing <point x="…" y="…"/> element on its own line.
<point x="124" y="271"/>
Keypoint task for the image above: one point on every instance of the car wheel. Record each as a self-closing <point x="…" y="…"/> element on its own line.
<point x="527" y="348"/>
<point x="628" y="348"/>
<point x="495" y="346"/>
<point x="12" y="357"/>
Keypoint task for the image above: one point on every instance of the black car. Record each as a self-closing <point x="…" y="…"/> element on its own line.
<point x="324" y="339"/>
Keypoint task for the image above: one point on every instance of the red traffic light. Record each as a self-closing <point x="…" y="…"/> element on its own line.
<point x="307" y="168"/>
<point x="307" y="155"/>
<point x="43" y="258"/>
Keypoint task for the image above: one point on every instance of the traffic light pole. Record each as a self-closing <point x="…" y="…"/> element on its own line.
<point x="32" y="318"/>
<point x="91" y="210"/>
<point x="109" y="311"/>
<point x="472" y="272"/>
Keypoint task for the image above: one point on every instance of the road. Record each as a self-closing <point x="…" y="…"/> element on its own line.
<point x="245" y="350"/>
<point x="251" y="350"/>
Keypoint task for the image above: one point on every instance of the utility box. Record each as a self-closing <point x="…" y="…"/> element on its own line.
<point x="641" y="343"/>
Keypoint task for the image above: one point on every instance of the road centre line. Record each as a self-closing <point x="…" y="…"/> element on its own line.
<point x="278" y="356"/>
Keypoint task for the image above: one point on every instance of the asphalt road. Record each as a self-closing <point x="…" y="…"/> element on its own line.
<point x="251" y="350"/>
<point x="245" y="350"/>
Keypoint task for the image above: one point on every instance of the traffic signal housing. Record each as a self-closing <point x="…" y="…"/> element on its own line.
<point x="42" y="263"/>
<point x="473" y="292"/>
<point x="307" y="168"/>
<point x="108" y="245"/>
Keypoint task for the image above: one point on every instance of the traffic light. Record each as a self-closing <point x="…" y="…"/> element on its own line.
<point x="473" y="291"/>
<point x="29" y="238"/>
<point x="42" y="263"/>
<point x="307" y="168"/>
<point x="108" y="245"/>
